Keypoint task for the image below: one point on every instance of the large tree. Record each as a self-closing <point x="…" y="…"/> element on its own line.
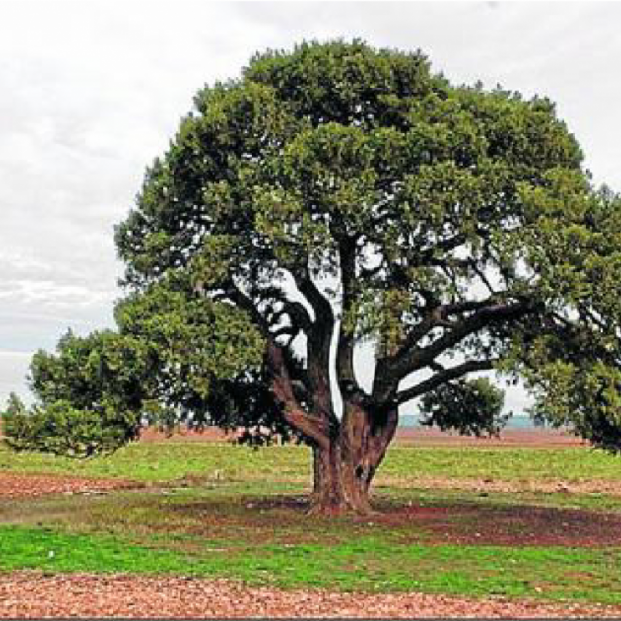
<point x="337" y="194"/>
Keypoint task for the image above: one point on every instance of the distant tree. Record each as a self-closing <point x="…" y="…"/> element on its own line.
<point x="337" y="194"/>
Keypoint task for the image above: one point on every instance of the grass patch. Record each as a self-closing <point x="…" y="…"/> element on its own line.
<point x="501" y="464"/>
<point x="30" y="548"/>
<point x="368" y="563"/>
<point x="166" y="462"/>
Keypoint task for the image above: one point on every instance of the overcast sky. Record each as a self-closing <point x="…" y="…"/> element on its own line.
<point x="91" y="92"/>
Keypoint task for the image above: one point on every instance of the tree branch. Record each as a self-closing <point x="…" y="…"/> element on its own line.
<point x="318" y="302"/>
<point x="345" y="345"/>
<point x="409" y="360"/>
<point x="469" y="305"/>
<point x="319" y="337"/>
<point x="315" y="428"/>
<point x="442" y="377"/>
<point x="482" y="277"/>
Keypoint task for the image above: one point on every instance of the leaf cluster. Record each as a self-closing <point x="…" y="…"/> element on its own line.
<point x="470" y="407"/>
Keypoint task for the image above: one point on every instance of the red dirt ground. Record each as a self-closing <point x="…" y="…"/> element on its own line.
<point x="13" y="485"/>
<point x="520" y="525"/>
<point x="34" y="595"/>
<point x="511" y="438"/>
<point x="545" y="438"/>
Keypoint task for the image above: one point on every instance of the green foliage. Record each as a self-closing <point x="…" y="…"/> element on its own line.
<point x="90" y="396"/>
<point x="61" y="429"/>
<point x="175" y="359"/>
<point x="445" y="189"/>
<point x="472" y="407"/>
<point x="571" y="358"/>
<point x="334" y="140"/>
<point x="443" y="221"/>
<point x="209" y="362"/>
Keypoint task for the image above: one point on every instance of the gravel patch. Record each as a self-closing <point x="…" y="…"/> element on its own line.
<point x="20" y="485"/>
<point x="35" y="595"/>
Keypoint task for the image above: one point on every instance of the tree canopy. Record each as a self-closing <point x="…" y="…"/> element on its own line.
<point x="338" y="194"/>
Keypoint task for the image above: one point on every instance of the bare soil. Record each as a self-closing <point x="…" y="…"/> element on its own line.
<point x="415" y="436"/>
<point x="35" y="595"/>
<point x="509" y="438"/>
<point x="13" y="485"/>
<point x="511" y="526"/>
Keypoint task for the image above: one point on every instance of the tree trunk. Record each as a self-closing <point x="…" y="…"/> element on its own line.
<point x="344" y="470"/>
<point x="338" y="484"/>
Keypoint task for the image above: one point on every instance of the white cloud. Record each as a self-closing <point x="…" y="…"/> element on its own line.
<point x="13" y="371"/>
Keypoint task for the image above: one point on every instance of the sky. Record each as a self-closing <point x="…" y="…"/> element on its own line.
<point x="92" y="91"/>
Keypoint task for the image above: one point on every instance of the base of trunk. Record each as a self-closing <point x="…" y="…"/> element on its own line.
<point x="345" y="466"/>
<point x="341" y="485"/>
<point x="331" y="509"/>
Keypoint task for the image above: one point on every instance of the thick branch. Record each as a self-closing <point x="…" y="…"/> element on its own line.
<point x="442" y="377"/>
<point x="316" y="428"/>
<point x="319" y="337"/>
<point x="469" y="305"/>
<point x="437" y="316"/>
<point x="320" y="305"/>
<point x="408" y="361"/>
<point x="346" y="337"/>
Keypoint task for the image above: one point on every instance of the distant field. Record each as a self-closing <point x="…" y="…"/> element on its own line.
<point x="518" y="421"/>
<point x="406" y="463"/>
<point x="476" y="520"/>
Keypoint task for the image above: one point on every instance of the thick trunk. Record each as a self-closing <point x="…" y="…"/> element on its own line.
<point x="338" y="484"/>
<point x="344" y="470"/>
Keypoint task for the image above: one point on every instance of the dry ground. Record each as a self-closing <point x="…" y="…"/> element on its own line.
<point x="19" y="485"/>
<point x="33" y="595"/>
<point x="415" y="436"/>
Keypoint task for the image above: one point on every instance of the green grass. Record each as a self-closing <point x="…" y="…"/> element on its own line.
<point x="30" y="548"/>
<point x="502" y="464"/>
<point x="367" y="563"/>
<point x="167" y="462"/>
<point x="403" y="465"/>
<point x="224" y="511"/>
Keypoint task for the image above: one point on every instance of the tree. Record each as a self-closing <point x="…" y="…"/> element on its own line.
<point x="472" y="406"/>
<point x="337" y="194"/>
<point x="91" y="396"/>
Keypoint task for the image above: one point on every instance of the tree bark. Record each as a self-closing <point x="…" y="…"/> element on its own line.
<point x="344" y="469"/>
